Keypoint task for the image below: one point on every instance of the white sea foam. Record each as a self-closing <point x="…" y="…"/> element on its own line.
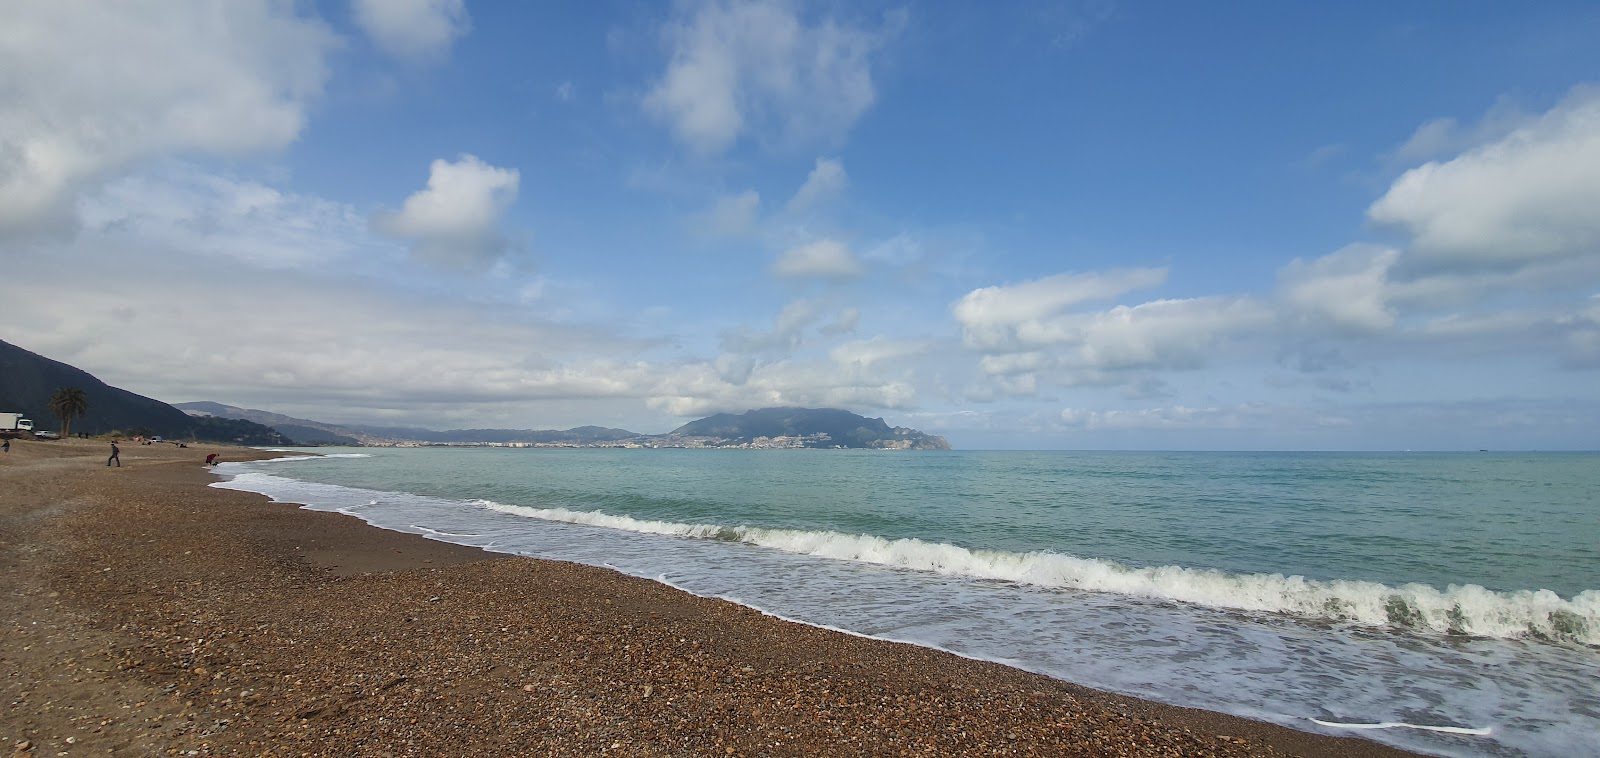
<point x="437" y="533"/>
<point x="1457" y="609"/>
<point x="1475" y="732"/>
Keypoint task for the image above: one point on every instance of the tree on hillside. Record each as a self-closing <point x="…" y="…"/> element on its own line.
<point x="67" y="404"/>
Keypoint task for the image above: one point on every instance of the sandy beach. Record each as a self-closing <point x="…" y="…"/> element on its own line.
<point x="147" y="614"/>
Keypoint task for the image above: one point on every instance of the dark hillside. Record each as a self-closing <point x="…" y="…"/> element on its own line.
<point x="842" y="427"/>
<point x="27" y="380"/>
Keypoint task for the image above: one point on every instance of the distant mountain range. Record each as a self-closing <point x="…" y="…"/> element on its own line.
<point x="308" y="432"/>
<point x="764" y="428"/>
<point x="27" y="380"/>
<point x="822" y="427"/>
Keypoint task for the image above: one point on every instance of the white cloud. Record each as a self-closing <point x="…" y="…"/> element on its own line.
<point x="566" y="91"/>
<point x="1526" y="197"/>
<point x="1582" y="336"/>
<point x="1143" y="418"/>
<point x="825" y="182"/>
<point x="844" y="323"/>
<point x="1026" y="337"/>
<point x="1011" y="364"/>
<point x="88" y="88"/>
<point x="1157" y="334"/>
<point x="456" y="219"/>
<point x="823" y="259"/>
<point x="1345" y="290"/>
<point x="169" y="328"/>
<point x="174" y="328"/>
<point x="991" y="316"/>
<point x="733" y="215"/>
<point x="782" y="383"/>
<point x="1444" y="136"/>
<point x="1571" y="334"/>
<point x="1181" y="417"/>
<point x="785" y="333"/>
<point x="903" y="249"/>
<point x="741" y="67"/>
<point x="743" y="346"/>
<point x="869" y="352"/>
<point x="420" y="30"/>
<point x="181" y="210"/>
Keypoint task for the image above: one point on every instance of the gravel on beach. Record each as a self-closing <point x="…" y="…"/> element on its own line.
<point x="147" y="614"/>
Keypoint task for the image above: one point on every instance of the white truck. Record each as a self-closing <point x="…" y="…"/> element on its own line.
<point x="14" y="423"/>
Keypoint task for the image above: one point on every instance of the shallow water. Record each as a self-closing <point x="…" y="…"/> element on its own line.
<point x="1456" y="591"/>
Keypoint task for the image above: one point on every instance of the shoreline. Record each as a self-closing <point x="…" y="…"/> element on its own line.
<point x="152" y="613"/>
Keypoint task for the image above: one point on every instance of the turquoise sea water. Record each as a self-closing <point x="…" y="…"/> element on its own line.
<point x="1457" y="592"/>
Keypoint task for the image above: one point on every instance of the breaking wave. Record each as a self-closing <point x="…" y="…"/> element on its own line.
<point x="1458" y="609"/>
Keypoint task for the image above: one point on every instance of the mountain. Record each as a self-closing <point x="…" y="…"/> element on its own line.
<point x="765" y="428"/>
<point x="27" y="380"/>
<point x="304" y="431"/>
<point x="310" y="432"/>
<point x="821" y="427"/>
<point x="581" y="435"/>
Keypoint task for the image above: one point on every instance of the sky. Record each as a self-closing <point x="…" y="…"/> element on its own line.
<point x="1083" y="224"/>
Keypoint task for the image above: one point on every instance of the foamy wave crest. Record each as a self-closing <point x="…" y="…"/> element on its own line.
<point x="1458" y="609"/>
<point x="292" y="458"/>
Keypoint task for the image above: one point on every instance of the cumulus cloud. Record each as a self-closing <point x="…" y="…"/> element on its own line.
<point x="741" y="67"/>
<point x="1182" y="417"/>
<point x="697" y="393"/>
<point x="990" y="317"/>
<point x="1526" y="197"/>
<point x="1176" y="416"/>
<point x="201" y="335"/>
<point x="1156" y="334"/>
<point x="1447" y="136"/>
<point x="843" y="323"/>
<point x="183" y="211"/>
<point x="418" y="30"/>
<point x="870" y="352"/>
<point x="785" y="334"/>
<point x="733" y="215"/>
<point x="824" y="259"/>
<point x="87" y="89"/>
<point x="825" y="182"/>
<point x="368" y="354"/>
<point x="455" y="220"/>
<point x="1122" y="344"/>
<point x="1346" y="291"/>
<point x="1582" y="336"/>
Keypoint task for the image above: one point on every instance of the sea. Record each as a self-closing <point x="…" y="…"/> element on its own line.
<point x="1447" y="603"/>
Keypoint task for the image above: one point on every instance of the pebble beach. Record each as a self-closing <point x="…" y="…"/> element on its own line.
<point x="149" y="614"/>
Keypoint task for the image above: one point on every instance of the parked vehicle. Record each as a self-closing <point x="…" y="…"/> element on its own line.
<point x="15" y="422"/>
<point x="38" y="435"/>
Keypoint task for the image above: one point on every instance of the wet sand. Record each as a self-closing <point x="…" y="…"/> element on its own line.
<point x="147" y="614"/>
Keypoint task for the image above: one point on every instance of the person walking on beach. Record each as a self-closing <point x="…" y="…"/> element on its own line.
<point x="7" y="448"/>
<point x="116" y="455"/>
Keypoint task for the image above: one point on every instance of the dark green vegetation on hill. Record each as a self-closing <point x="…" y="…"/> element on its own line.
<point x="27" y="380"/>
<point x="842" y="428"/>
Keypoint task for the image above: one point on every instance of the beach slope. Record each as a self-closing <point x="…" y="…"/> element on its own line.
<point x="147" y="614"/>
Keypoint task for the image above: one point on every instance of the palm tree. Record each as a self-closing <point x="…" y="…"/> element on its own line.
<point x="67" y="404"/>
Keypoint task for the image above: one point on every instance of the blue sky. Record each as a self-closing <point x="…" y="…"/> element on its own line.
<point x="1029" y="224"/>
